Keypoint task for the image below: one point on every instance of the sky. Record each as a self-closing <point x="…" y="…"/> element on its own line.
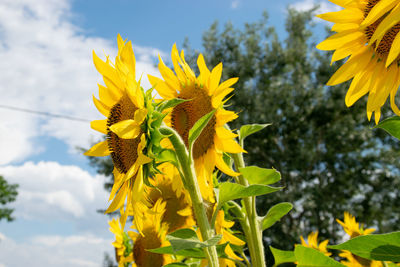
<point x="46" y="65"/>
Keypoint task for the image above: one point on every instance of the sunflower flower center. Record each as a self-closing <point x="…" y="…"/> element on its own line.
<point x="385" y="44"/>
<point x="123" y="151"/>
<point x="186" y="114"/>
<point x="144" y="258"/>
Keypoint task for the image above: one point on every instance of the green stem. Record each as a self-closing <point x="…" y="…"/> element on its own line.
<point x="255" y="236"/>
<point x="187" y="165"/>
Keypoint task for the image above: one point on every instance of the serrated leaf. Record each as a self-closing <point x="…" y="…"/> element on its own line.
<point x="274" y="214"/>
<point x="198" y="127"/>
<point x="249" y="129"/>
<point x="257" y="175"/>
<point x="187" y="239"/>
<point x="282" y="256"/>
<point x="309" y="257"/>
<point x="391" y="125"/>
<point x="229" y="191"/>
<point x="380" y="247"/>
<point x="170" y="103"/>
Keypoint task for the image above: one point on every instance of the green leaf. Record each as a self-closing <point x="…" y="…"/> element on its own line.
<point x="198" y="127"/>
<point x="275" y="213"/>
<point x="229" y="191"/>
<point x="391" y="125"/>
<point x="257" y="175"/>
<point x="249" y="129"/>
<point x="170" y="103"/>
<point x="187" y="239"/>
<point x="383" y="247"/>
<point x="309" y="257"/>
<point x="197" y="253"/>
<point x="282" y="256"/>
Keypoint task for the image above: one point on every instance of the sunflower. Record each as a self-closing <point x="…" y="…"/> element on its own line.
<point x="122" y="103"/>
<point x="153" y="235"/>
<point x="205" y="94"/>
<point x="169" y="188"/>
<point x="352" y="227"/>
<point x="312" y="240"/>
<point x="367" y="31"/>
<point x="121" y="253"/>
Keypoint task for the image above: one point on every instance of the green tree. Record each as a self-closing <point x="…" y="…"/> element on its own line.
<point x="8" y="193"/>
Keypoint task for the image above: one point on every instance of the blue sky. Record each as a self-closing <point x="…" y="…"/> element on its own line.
<point x="46" y="51"/>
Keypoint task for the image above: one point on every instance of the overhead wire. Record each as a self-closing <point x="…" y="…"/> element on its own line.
<point x="66" y="117"/>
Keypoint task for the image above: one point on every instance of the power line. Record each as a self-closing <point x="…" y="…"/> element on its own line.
<point x="44" y="113"/>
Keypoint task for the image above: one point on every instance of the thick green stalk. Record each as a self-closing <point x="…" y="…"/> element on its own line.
<point x="190" y="178"/>
<point x="254" y="238"/>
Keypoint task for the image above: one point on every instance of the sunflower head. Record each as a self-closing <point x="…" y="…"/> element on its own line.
<point x="125" y="105"/>
<point x="367" y="32"/>
<point x="152" y="235"/>
<point x="204" y="93"/>
<point x="313" y="243"/>
<point x="352" y="227"/>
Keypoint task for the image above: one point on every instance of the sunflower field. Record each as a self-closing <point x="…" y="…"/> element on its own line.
<point x="181" y="189"/>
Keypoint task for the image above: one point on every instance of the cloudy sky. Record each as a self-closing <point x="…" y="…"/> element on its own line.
<point x="46" y="65"/>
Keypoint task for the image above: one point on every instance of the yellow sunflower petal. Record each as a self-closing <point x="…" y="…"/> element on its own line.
<point x="119" y="199"/>
<point x="99" y="125"/>
<point x="359" y="86"/>
<point x="224" y="133"/>
<point x="175" y="61"/>
<point x="228" y="145"/>
<point x="135" y="93"/>
<point x="214" y="79"/>
<point x="341" y="39"/>
<point x="101" y="107"/>
<point x="346" y="51"/>
<point x="99" y="150"/>
<point x="204" y="71"/>
<point x="349" y="15"/>
<point x="126" y="129"/>
<point x="350" y="68"/>
<point x="138" y="187"/>
<point x="106" y="70"/>
<point x="106" y="96"/>
<point x="340" y="27"/>
<point x="221" y="165"/>
<point x="168" y="74"/>
<point x="394" y="50"/>
<point x="162" y="88"/>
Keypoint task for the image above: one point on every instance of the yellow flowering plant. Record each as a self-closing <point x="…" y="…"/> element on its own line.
<point x="169" y="157"/>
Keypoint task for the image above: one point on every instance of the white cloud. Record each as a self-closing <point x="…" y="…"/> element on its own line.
<point x="324" y="6"/>
<point x="235" y="4"/>
<point x="48" y="191"/>
<point x="54" y="250"/>
<point x="47" y="66"/>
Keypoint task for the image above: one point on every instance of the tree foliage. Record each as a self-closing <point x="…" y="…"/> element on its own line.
<point x="8" y="193"/>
